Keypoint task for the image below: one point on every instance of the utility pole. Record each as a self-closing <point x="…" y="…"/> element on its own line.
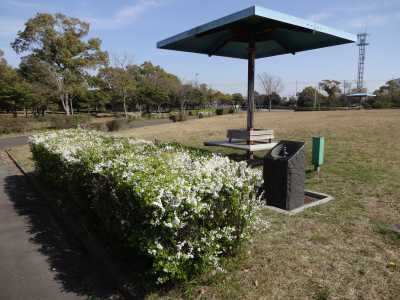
<point x="315" y="97"/>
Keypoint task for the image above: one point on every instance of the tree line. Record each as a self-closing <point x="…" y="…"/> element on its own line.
<point x="332" y="93"/>
<point x="62" y="70"/>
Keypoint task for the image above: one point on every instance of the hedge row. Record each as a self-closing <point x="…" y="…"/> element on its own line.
<point x="180" y="208"/>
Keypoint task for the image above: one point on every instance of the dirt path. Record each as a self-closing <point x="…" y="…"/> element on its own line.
<point x="37" y="261"/>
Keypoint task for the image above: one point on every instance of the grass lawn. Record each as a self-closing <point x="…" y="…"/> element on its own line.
<point x="340" y="250"/>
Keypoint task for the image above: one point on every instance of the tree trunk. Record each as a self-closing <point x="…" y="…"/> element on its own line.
<point x="71" y="107"/>
<point x="125" y="110"/>
<point x="65" y="103"/>
<point x="269" y="104"/>
<point x="182" y="107"/>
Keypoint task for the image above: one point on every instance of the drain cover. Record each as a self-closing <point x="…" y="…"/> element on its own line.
<point x="396" y="228"/>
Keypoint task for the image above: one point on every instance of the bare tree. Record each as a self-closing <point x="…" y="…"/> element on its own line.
<point x="271" y="85"/>
<point x="122" y="61"/>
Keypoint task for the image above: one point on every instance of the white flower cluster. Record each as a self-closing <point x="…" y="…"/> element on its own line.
<point x="181" y="208"/>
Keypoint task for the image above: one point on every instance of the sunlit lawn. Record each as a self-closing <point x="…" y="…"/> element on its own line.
<point x="341" y="250"/>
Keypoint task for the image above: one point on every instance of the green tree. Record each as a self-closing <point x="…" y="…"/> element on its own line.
<point x="8" y="78"/>
<point x="238" y="99"/>
<point x="309" y="97"/>
<point x="97" y="98"/>
<point x="120" y="82"/>
<point x="202" y="95"/>
<point x="185" y="95"/>
<point x="58" y="42"/>
<point x="156" y="86"/>
<point x="41" y="83"/>
<point x="226" y="99"/>
<point x="387" y="95"/>
<point x="2" y="59"/>
<point x="332" y="88"/>
<point x="14" y="92"/>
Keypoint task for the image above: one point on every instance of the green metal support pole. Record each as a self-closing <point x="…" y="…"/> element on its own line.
<point x="250" y="86"/>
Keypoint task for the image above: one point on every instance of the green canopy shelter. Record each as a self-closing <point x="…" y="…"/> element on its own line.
<point x="252" y="33"/>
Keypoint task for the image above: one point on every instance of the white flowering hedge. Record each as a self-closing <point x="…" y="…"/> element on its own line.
<point x="180" y="208"/>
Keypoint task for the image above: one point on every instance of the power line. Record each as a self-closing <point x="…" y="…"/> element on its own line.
<point x="300" y="83"/>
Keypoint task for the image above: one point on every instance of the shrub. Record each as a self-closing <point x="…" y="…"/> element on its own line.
<point x="117" y="124"/>
<point x="97" y="126"/>
<point x="380" y="103"/>
<point x="65" y="122"/>
<point x="173" y="118"/>
<point x="155" y="115"/>
<point x="179" y="117"/>
<point x="10" y="124"/>
<point x="205" y="113"/>
<point x="219" y="111"/>
<point x="180" y="208"/>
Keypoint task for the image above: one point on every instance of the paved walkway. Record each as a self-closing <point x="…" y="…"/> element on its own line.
<point x="9" y="142"/>
<point x="37" y="261"/>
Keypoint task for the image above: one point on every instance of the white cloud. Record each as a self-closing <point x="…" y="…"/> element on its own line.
<point x="125" y="15"/>
<point x="369" y="21"/>
<point x="318" y="17"/>
<point x="361" y="14"/>
<point x="371" y="6"/>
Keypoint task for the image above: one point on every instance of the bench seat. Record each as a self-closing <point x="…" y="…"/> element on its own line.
<point x="242" y="146"/>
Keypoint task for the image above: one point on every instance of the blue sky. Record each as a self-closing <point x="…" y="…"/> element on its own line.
<point x="133" y="28"/>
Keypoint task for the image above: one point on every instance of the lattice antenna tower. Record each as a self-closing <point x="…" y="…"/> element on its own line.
<point x="362" y="44"/>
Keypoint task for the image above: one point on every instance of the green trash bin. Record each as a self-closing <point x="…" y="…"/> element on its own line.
<point x="318" y="151"/>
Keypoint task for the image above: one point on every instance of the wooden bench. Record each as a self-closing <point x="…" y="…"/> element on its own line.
<point x="255" y="135"/>
<point x="250" y="141"/>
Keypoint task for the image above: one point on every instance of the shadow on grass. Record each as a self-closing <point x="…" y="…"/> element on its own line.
<point x="71" y="265"/>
